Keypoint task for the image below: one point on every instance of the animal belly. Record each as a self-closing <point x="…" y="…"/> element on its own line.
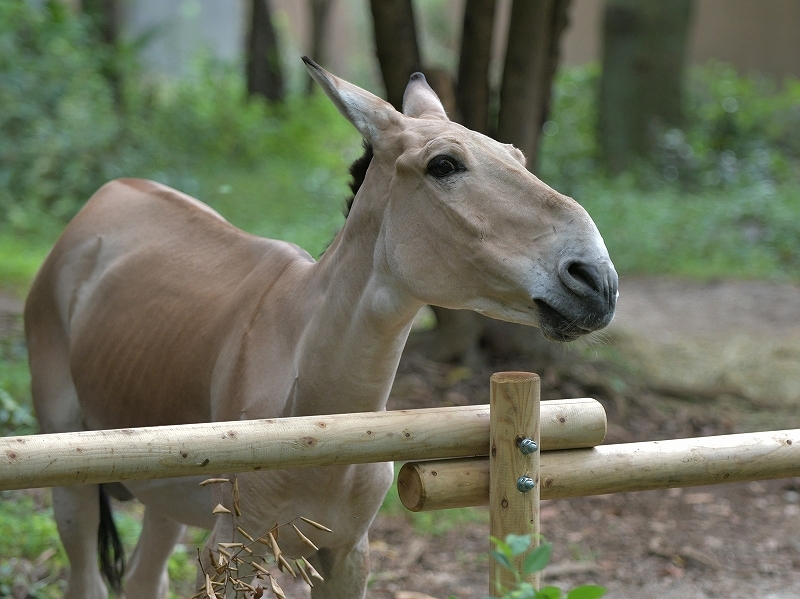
<point x="182" y="499"/>
<point x="140" y="373"/>
<point x="343" y="498"/>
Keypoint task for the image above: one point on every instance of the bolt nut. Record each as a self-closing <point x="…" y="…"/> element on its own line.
<point x="525" y="484"/>
<point x="528" y="446"/>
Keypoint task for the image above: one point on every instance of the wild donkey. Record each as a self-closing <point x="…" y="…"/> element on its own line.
<point x="151" y="309"/>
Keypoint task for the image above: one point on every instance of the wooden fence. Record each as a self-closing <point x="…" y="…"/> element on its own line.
<point x="535" y="449"/>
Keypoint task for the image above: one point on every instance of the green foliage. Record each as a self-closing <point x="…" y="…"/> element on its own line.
<point x="16" y="411"/>
<point x="440" y="522"/>
<point x="568" y="152"/>
<point x="20" y="258"/>
<point x="182" y="569"/>
<point x="208" y="119"/>
<point x="62" y="134"/>
<point x="28" y="533"/>
<point x="720" y="197"/>
<point x="37" y="569"/>
<point x="182" y="566"/>
<point x="16" y="418"/>
<point x="295" y="190"/>
<point x="535" y="560"/>
<point x="57" y="120"/>
<point x="746" y="232"/>
<point x="739" y="131"/>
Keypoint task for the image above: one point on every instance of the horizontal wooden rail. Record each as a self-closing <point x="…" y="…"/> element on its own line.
<point x="442" y="484"/>
<point x="227" y="447"/>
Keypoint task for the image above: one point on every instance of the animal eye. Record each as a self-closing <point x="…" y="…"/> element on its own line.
<point x="443" y="166"/>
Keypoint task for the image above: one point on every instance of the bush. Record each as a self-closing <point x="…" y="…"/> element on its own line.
<point x="744" y="232"/>
<point x="57" y="118"/>
<point x="720" y="193"/>
<point x="739" y="131"/>
<point x="63" y="134"/>
<point x="569" y="150"/>
<point x="718" y="198"/>
<point x="535" y="560"/>
<point x="16" y="411"/>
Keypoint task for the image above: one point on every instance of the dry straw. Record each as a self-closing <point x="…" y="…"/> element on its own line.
<point x="257" y="578"/>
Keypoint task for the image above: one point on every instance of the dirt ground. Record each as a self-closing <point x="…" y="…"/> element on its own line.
<point x="704" y="359"/>
<point x="701" y="359"/>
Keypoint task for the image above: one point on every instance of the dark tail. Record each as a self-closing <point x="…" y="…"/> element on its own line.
<point x="112" y="553"/>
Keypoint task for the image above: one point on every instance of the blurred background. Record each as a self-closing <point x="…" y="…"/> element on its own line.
<point x="695" y="103"/>
<point x="676" y="124"/>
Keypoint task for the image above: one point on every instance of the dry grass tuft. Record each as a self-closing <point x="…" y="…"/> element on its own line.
<point x="226" y="581"/>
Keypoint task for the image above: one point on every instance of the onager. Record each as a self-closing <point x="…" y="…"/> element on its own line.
<point x="151" y="309"/>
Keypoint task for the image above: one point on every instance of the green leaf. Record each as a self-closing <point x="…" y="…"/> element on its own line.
<point x="549" y="593"/>
<point x="524" y="590"/>
<point x="518" y="544"/>
<point x="537" y="559"/>
<point x="588" y="591"/>
<point x="498" y="542"/>
<point x="502" y="559"/>
<point x="502" y="547"/>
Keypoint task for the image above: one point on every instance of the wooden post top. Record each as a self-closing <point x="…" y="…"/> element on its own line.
<point x="513" y="377"/>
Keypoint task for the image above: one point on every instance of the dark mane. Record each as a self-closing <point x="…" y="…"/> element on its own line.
<point x="358" y="170"/>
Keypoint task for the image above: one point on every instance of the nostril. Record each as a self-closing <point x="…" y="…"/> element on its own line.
<point x="586" y="274"/>
<point x="582" y="277"/>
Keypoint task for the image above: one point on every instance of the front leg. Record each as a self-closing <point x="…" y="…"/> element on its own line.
<point x="345" y="571"/>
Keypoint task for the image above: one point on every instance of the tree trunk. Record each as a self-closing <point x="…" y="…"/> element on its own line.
<point x="530" y="65"/>
<point x="531" y="61"/>
<point x="104" y="16"/>
<point x="458" y="333"/>
<point x="472" y="92"/>
<point x="396" y="45"/>
<point x="264" y="74"/>
<point x="320" y="9"/>
<point x="644" y="56"/>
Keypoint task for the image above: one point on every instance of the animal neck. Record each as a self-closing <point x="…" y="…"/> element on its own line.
<point x="353" y="341"/>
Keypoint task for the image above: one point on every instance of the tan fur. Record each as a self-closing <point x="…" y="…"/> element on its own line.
<point x="151" y="309"/>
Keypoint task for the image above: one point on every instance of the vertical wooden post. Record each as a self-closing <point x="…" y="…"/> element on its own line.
<point x="514" y="405"/>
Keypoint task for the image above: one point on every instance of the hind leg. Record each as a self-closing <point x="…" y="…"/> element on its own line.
<point x="165" y="500"/>
<point x="345" y="571"/>
<point x="77" y="508"/>
<point x="147" y="575"/>
<point x="77" y="512"/>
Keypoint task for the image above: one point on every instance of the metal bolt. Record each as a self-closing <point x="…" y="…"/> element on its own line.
<point x="525" y="484"/>
<point x="527" y="446"/>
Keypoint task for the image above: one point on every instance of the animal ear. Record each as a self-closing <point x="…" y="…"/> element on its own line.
<point x="420" y="99"/>
<point x="368" y="113"/>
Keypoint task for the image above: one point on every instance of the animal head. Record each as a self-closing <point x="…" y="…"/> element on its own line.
<point x="467" y="226"/>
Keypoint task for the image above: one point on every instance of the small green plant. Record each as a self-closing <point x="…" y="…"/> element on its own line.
<point x="535" y="560"/>
<point x="32" y="561"/>
<point x="16" y="411"/>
